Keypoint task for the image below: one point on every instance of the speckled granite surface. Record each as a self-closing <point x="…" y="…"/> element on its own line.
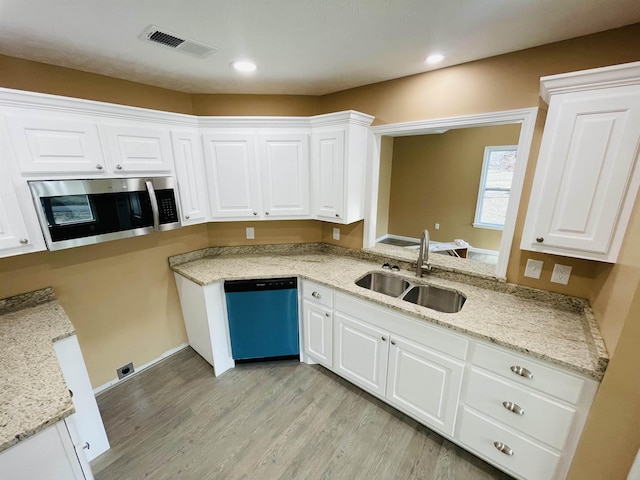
<point x="545" y="325"/>
<point x="33" y="394"/>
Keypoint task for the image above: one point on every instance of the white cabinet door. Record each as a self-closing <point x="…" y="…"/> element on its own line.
<point x="318" y="333"/>
<point x="587" y="176"/>
<point x="87" y="418"/>
<point x="360" y="353"/>
<point x="329" y="158"/>
<point x="424" y="384"/>
<point x="49" y="455"/>
<point x="55" y="144"/>
<point x="190" y="174"/>
<point x="136" y="149"/>
<point x="230" y="161"/>
<point x="284" y="163"/>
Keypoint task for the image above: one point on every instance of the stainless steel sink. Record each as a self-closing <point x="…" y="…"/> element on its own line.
<point x="440" y="299"/>
<point x="384" y="283"/>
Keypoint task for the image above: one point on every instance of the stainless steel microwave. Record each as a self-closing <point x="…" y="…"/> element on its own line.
<point x="83" y="212"/>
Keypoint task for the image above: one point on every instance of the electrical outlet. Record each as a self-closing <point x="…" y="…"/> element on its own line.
<point x="534" y="268"/>
<point x="437" y="226"/>
<point x="251" y="234"/>
<point x="561" y="274"/>
<point x="336" y="233"/>
<point x="125" y="370"/>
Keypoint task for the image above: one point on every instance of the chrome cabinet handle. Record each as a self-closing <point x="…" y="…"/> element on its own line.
<point x="392" y="342"/>
<point x="523" y="372"/>
<point x="86" y="446"/>
<point x="99" y="167"/>
<point x="513" y="407"/>
<point x="266" y="213"/>
<point x="186" y="217"/>
<point x="119" y="167"/>
<point x="316" y="295"/>
<point x="24" y="241"/>
<point x="540" y="239"/>
<point x="255" y="213"/>
<point x="384" y="339"/>
<point x="503" y="448"/>
<point x="327" y="314"/>
<point x="337" y="215"/>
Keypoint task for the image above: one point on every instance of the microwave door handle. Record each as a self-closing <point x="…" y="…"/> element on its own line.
<point x="154" y="206"/>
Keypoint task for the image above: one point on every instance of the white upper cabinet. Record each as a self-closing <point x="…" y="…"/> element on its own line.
<point x="284" y="163"/>
<point x="230" y="161"/>
<point x="138" y="149"/>
<point x="258" y="174"/>
<point x="190" y="174"/>
<point x="45" y="143"/>
<point x="587" y="176"/>
<point x="339" y="157"/>
<point x="19" y="228"/>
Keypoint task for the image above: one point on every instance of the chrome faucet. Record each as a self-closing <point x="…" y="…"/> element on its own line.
<point x="423" y="256"/>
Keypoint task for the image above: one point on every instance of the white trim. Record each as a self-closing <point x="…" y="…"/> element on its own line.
<point x="592" y="79"/>
<point x="487" y="226"/>
<point x="525" y="116"/>
<point x="115" y="381"/>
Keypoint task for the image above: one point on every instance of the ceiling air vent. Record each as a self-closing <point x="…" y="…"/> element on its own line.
<point x="176" y="42"/>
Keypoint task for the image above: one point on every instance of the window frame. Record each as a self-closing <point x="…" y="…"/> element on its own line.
<point x="477" y="223"/>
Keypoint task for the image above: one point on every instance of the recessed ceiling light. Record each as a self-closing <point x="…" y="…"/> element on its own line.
<point x="435" y="58"/>
<point x="244" y="66"/>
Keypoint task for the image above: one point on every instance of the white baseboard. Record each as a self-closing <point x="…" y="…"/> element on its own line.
<point x="400" y="237"/>
<point x="383" y="237"/>
<point x="115" y="381"/>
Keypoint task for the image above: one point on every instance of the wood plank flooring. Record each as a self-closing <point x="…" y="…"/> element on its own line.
<point x="267" y="421"/>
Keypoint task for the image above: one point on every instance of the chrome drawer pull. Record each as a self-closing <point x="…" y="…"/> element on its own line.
<point x="523" y="372"/>
<point x="316" y="295"/>
<point x="503" y="448"/>
<point x="513" y="407"/>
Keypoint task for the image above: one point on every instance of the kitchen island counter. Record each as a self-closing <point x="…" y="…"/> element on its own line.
<point x="34" y="394"/>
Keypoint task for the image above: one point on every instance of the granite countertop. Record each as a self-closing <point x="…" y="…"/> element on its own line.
<point x="545" y="325"/>
<point x="34" y="394"/>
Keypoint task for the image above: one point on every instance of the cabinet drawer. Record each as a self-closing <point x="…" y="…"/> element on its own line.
<point x="541" y="418"/>
<point x="543" y="378"/>
<point x="317" y="293"/>
<point x="528" y="460"/>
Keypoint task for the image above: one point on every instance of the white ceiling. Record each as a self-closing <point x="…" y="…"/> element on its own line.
<point x="300" y="46"/>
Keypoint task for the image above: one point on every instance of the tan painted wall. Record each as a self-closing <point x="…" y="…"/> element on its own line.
<point x="40" y="77"/>
<point x="271" y="232"/>
<point x="120" y="296"/>
<point x="435" y="179"/>
<point x="384" y="186"/>
<point x="287" y="105"/>
<point x="350" y="235"/>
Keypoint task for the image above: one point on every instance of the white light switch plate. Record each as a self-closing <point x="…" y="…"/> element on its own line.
<point x="561" y="274"/>
<point x="251" y="234"/>
<point x="336" y="233"/>
<point x="534" y="268"/>
<point x="437" y="226"/>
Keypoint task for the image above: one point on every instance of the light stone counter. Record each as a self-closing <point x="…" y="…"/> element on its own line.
<point x="545" y="325"/>
<point x="33" y="394"/>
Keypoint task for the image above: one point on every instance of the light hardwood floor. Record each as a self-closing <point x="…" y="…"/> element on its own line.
<point x="267" y="421"/>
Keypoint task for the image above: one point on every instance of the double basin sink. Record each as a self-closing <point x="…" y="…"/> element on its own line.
<point x="430" y="296"/>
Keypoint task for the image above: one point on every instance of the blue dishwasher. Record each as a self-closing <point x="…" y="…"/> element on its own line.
<point x="263" y="318"/>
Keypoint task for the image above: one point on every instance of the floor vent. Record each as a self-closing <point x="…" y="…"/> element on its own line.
<point x="176" y="42"/>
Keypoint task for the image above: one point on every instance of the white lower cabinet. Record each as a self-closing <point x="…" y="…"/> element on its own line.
<point x="424" y="384"/>
<point x="522" y="415"/>
<point x="318" y="332"/>
<point x="49" y="454"/>
<point x="91" y="433"/>
<point x="361" y="353"/>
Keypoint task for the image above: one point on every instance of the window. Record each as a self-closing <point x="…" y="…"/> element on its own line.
<point x="495" y="186"/>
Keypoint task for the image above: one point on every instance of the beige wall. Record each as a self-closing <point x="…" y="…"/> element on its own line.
<point x="91" y="281"/>
<point x="120" y="296"/>
<point x="266" y="232"/>
<point x="435" y="179"/>
<point x="287" y="105"/>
